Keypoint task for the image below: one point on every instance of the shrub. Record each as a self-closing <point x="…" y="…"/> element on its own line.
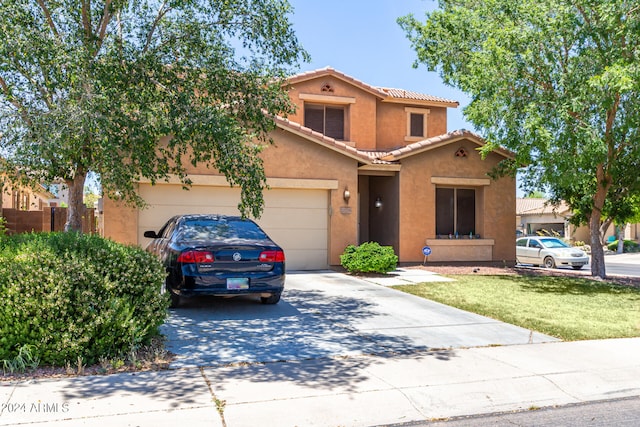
<point x="628" y="246"/>
<point x="369" y="258"/>
<point x="69" y="297"/>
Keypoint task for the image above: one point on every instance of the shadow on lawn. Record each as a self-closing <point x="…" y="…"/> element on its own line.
<point x="565" y="285"/>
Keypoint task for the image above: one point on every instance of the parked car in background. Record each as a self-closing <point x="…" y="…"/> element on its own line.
<point x="550" y="252"/>
<point x="218" y="255"/>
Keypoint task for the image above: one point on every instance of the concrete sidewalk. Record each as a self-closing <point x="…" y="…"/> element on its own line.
<point x="357" y="391"/>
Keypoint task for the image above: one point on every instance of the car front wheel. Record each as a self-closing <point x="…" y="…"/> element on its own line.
<point x="549" y="262"/>
<point x="577" y="267"/>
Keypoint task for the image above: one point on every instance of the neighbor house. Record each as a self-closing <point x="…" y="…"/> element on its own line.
<point x="356" y="163"/>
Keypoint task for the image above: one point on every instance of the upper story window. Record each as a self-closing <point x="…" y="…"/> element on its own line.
<point x="326" y="119"/>
<point x="416" y="123"/>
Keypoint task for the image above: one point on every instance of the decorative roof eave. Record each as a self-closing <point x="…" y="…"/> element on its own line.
<point x="422" y="102"/>
<point x="393" y="167"/>
<point x="323" y="140"/>
<point x="402" y="96"/>
<point x="439" y="141"/>
<point x="328" y="71"/>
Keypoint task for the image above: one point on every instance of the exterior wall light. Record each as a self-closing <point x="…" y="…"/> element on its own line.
<point x="378" y="203"/>
<point x="346" y="195"/>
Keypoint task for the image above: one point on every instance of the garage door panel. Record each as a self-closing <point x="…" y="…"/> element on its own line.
<point x="306" y="260"/>
<point x="296" y="219"/>
<point x="305" y="239"/>
<point x="278" y="198"/>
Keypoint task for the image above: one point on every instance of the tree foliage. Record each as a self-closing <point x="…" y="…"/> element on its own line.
<point x="134" y="89"/>
<point x="555" y="81"/>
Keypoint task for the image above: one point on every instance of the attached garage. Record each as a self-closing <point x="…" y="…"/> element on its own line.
<point x="295" y="218"/>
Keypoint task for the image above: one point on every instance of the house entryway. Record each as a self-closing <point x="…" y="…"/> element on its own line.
<point x="379" y="209"/>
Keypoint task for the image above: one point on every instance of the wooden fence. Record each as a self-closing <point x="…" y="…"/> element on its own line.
<point x="48" y="219"/>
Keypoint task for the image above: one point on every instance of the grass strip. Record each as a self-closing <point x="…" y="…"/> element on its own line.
<point x="565" y="307"/>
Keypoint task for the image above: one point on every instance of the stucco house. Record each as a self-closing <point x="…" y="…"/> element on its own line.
<point x="356" y="163"/>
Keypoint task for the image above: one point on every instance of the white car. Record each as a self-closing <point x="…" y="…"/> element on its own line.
<point x="550" y="252"/>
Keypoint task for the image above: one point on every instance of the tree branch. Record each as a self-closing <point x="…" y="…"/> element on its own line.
<point x="161" y="12"/>
<point x="21" y="109"/>
<point x="86" y="20"/>
<point x="104" y="22"/>
<point x="47" y="16"/>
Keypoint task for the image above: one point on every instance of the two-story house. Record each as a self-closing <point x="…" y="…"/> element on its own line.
<point x="356" y="163"/>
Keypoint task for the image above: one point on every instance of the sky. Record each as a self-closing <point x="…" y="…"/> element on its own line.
<point x="362" y="39"/>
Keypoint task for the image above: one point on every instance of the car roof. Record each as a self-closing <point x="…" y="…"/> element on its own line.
<point x="213" y="217"/>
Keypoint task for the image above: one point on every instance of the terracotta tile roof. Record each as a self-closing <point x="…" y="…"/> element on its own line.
<point x="537" y="206"/>
<point x="308" y="75"/>
<point x="415" y="96"/>
<point x="381" y="157"/>
<point x="381" y="92"/>
<point x="362" y="156"/>
<point x="437" y="141"/>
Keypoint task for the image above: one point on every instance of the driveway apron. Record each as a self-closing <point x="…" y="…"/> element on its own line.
<point x="326" y="315"/>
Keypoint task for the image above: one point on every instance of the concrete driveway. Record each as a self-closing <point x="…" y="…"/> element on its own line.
<point x="326" y="315"/>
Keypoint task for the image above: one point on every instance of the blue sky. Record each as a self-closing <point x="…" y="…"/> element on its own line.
<point x="363" y="40"/>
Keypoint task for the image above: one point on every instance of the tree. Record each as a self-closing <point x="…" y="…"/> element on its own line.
<point x="555" y="81"/>
<point x="140" y="88"/>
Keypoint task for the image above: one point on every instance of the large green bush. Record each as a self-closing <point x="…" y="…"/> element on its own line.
<point x="369" y="257"/>
<point x="628" y="246"/>
<point x="69" y="296"/>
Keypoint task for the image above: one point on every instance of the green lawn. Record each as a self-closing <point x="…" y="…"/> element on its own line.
<point x="564" y="307"/>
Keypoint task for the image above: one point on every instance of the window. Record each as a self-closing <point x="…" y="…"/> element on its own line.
<point x="416" y="123"/>
<point x="455" y="211"/>
<point x="326" y="119"/>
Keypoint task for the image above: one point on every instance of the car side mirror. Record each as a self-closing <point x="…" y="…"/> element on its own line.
<point x="150" y="234"/>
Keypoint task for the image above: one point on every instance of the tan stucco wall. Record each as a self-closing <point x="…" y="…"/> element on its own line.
<point x="361" y="114"/>
<point x="495" y="203"/>
<point x="392" y="124"/>
<point x="119" y="222"/>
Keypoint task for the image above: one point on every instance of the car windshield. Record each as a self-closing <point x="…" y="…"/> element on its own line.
<point x="553" y="243"/>
<point x="206" y="230"/>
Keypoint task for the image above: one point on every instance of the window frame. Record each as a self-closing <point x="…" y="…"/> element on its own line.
<point x="325" y="124"/>
<point x="455" y="220"/>
<point x="410" y="112"/>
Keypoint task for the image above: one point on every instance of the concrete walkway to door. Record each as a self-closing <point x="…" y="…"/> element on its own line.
<point x="329" y="314"/>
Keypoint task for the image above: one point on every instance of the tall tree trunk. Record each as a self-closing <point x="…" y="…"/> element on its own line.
<point x="76" y="202"/>
<point x="620" y="237"/>
<point x="597" y="252"/>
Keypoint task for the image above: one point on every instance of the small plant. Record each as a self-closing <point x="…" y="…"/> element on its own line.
<point x="25" y="359"/>
<point x="369" y="257"/>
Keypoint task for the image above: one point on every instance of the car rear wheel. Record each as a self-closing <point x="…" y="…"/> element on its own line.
<point x="272" y="299"/>
<point x="175" y="299"/>
<point x="549" y="262"/>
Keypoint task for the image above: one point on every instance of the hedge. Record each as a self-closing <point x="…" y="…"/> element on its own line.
<point x="68" y="296"/>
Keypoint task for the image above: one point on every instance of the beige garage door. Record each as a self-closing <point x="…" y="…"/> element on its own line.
<point x="295" y="219"/>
